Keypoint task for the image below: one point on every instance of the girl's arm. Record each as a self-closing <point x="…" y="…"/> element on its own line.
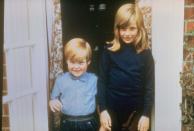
<point x="143" y="124"/>
<point x="105" y="119"/>
<point x="149" y="81"/>
<point x="102" y="80"/>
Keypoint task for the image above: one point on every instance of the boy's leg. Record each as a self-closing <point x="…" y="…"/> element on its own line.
<point x="65" y="126"/>
<point x="89" y="125"/>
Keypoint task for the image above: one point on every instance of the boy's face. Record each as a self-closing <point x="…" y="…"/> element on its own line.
<point x="77" y="68"/>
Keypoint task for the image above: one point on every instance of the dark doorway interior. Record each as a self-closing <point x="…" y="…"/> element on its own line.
<point x="90" y="19"/>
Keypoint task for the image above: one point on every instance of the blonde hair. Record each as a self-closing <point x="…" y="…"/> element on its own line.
<point x="77" y="50"/>
<point x="125" y="14"/>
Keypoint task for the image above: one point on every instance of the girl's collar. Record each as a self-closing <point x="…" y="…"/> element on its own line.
<point x="123" y="44"/>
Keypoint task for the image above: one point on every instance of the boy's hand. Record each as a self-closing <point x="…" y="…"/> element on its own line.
<point x="143" y="124"/>
<point x="105" y="120"/>
<point x="55" y="105"/>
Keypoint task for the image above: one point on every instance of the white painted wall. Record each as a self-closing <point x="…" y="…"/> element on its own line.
<point x="167" y="42"/>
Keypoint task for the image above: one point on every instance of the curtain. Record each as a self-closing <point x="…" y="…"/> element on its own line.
<point x="54" y="26"/>
<point x="55" y="42"/>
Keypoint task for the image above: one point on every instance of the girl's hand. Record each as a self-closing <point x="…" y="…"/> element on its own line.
<point x="102" y="128"/>
<point x="55" y="105"/>
<point x="143" y="124"/>
<point x="105" y="120"/>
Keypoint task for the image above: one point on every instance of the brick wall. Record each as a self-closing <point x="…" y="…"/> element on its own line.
<point x="5" y="111"/>
<point x="188" y="67"/>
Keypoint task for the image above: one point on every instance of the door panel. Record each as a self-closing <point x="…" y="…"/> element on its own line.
<point x="22" y="114"/>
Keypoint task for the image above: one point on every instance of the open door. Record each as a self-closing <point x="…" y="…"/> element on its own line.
<point x="25" y="45"/>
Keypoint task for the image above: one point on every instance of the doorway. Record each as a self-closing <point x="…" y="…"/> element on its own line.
<point x="92" y="20"/>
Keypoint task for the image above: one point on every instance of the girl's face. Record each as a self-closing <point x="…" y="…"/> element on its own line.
<point x="128" y="34"/>
<point x="77" y="68"/>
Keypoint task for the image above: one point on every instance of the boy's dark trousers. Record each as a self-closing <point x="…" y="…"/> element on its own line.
<point x="79" y="123"/>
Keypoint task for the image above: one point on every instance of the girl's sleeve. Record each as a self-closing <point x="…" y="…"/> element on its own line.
<point x="102" y="80"/>
<point x="56" y="90"/>
<point x="149" y="83"/>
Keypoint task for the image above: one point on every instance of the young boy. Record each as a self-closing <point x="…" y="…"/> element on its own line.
<point x="74" y="91"/>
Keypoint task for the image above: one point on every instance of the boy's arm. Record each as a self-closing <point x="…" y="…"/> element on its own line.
<point x="55" y="103"/>
<point x="56" y="91"/>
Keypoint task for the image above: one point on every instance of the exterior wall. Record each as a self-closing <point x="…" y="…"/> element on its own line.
<point x="5" y="111"/>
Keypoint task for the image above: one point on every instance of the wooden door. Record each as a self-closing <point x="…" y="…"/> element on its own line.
<point x="25" y="45"/>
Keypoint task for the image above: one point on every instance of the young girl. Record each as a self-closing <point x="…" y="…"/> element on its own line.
<point x="126" y="77"/>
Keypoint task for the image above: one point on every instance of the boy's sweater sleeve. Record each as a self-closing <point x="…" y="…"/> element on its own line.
<point x="149" y="84"/>
<point x="102" y="80"/>
<point x="56" y="89"/>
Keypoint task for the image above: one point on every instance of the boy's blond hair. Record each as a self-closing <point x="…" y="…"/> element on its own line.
<point x="125" y="14"/>
<point x="77" y="50"/>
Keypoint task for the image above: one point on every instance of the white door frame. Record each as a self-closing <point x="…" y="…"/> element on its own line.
<point x="167" y="46"/>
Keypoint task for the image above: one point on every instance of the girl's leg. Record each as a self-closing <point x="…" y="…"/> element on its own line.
<point x="131" y="123"/>
<point x="121" y="117"/>
<point x="114" y="120"/>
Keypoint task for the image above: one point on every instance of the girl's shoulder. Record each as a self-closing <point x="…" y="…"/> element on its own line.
<point x="147" y="55"/>
<point x="104" y="51"/>
<point x="106" y="48"/>
<point x="146" y="52"/>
